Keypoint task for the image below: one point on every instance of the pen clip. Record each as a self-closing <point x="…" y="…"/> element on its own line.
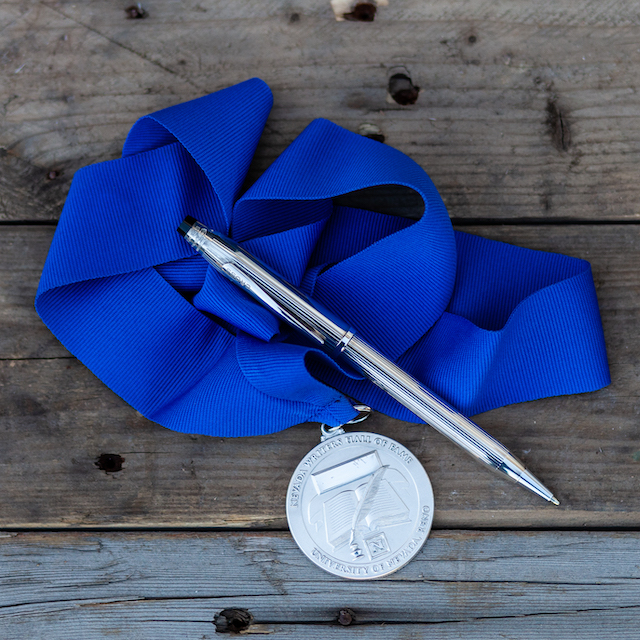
<point x="244" y="280"/>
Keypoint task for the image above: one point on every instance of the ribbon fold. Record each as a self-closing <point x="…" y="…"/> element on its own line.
<point x="482" y="323"/>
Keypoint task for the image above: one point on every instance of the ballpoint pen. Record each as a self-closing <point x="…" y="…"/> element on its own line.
<point x="340" y="340"/>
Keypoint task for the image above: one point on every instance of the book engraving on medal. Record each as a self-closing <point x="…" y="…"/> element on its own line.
<point x="359" y="505"/>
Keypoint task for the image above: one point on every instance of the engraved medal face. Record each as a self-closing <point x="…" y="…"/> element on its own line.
<point x="360" y="505"/>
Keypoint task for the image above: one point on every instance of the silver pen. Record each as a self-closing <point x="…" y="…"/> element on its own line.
<point x="339" y="340"/>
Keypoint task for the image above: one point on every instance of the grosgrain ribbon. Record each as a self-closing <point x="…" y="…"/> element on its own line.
<point x="482" y="323"/>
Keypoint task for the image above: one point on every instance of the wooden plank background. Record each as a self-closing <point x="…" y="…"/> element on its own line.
<point x="527" y="120"/>
<point x="498" y="80"/>
<point x="168" y="586"/>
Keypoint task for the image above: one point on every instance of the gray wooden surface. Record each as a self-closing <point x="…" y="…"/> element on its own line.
<point x="462" y="584"/>
<point x="528" y="116"/>
<point x="498" y="80"/>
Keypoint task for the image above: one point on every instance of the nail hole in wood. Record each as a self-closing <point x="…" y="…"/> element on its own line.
<point x="362" y="12"/>
<point x="136" y="12"/>
<point x="109" y="462"/>
<point x="402" y="90"/>
<point x="52" y="175"/>
<point x="232" y="620"/>
<point x="294" y="17"/>
<point x="346" y="617"/>
<point x="472" y="39"/>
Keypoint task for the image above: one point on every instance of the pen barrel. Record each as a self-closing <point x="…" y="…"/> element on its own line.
<point x="289" y="304"/>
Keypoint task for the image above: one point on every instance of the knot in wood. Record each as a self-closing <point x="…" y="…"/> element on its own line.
<point x="558" y="126"/>
<point x="109" y="462"/>
<point x="232" y="620"/>
<point x="362" y="12"/>
<point x="371" y="131"/>
<point x="402" y="89"/>
<point x="136" y="12"/>
<point x="346" y="617"/>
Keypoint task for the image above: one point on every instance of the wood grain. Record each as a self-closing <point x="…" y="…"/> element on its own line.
<point x="56" y="418"/>
<point x="462" y="584"/>
<point x="526" y="109"/>
<point x="23" y="251"/>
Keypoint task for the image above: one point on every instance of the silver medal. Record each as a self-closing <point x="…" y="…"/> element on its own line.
<point x="359" y="505"/>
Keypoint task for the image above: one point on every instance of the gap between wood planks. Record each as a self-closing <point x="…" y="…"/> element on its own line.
<point x="265" y="627"/>
<point x="283" y="529"/>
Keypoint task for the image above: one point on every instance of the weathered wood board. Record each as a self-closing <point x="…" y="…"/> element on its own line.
<point x="56" y="418"/>
<point x="526" y="109"/>
<point x="163" y="585"/>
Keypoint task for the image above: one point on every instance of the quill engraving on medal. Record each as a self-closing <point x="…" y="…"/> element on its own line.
<point x="352" y="512"/>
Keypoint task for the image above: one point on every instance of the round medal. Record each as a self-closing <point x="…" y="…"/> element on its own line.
<point x="360" y="505"/>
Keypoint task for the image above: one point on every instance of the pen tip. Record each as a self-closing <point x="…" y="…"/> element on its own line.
<point x="554" y="500"/>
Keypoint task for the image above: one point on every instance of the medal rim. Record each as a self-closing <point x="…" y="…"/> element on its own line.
<point x="303" y="532"/>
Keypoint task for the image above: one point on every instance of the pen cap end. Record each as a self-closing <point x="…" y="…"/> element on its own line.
<point x="185" y="225"/>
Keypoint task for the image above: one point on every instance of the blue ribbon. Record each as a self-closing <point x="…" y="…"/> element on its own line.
<point x="482" y="323"/>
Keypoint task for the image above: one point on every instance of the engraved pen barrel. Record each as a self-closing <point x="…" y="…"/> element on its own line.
<point x="256" y="278"/>
<point x="337" y="338"/>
